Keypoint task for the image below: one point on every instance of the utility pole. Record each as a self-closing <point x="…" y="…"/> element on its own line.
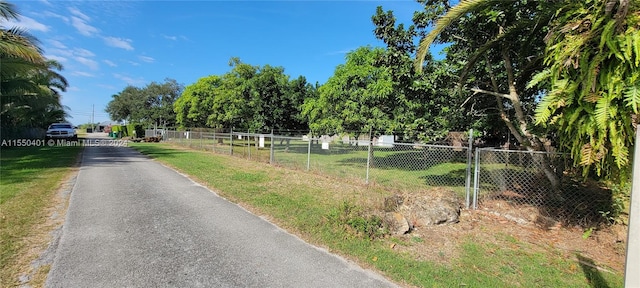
<point x="93" y="119"/>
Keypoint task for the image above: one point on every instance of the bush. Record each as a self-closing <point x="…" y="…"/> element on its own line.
<point x="362" y="225"/>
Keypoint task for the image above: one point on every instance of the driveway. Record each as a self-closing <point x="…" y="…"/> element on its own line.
<point x="132" y="222"/>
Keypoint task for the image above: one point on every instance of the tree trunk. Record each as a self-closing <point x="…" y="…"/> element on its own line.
<point x="522" y="134"/>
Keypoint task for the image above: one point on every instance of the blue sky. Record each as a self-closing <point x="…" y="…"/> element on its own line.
<point x="106" y="45"/>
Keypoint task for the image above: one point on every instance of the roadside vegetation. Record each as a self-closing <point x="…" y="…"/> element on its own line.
<point x="341" y="216"/>
<point x="30" y="178"/>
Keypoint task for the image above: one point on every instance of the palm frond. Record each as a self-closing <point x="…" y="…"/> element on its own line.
<point x="464" y="7"/>
<point x="8" y="11"/>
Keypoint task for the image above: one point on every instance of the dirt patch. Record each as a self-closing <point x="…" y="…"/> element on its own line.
<point x="440" y="243"/>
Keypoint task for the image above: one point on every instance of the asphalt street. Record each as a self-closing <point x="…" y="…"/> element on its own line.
<point x="133" y="222"/>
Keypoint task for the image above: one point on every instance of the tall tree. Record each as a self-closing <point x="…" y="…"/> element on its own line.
<point x="430" y="110"/>
<point x="357" y="98"/>
<point x="593" y="59"/>
<point x="254" y="98"/>
<point x="30" y="85"/>
<point x="194" y="107"/>
<point x="501" y="43"/>
<point x="151" y="105"/>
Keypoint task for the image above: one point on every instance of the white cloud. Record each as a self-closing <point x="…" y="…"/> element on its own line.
<point x="57" y="44"/>
<point x="93" y="65"/>
<point x="110" y="63"/>
<point x="54" y="15"/>
<point x="29" y="24"/>
<point x="129" y="80"/>
<point x="79" y="14"/>
<point x="82" y="27"/>
<point x="108" y="87"/>
<point x="147" y="59"/>
<point x="61" y="52"/>
<point x="340" y="52"/>
<point x="174" y="38"/>
<point x="46" y="2"/>
<point x="119" y="42"/>
<point x="82" y="74"/>
<point x="134" y="63"/>
<point x="83" y="52"/>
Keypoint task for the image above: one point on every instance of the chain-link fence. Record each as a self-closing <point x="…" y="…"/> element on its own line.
<point x="532" y="186"/>
<point x="399" y="167"/>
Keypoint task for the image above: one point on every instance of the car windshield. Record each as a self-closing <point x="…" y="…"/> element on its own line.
<point x="60" y="126"/>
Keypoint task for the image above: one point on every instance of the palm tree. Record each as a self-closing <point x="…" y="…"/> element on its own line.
<point x="15" y="43"/>
<point x="30" y="85"/>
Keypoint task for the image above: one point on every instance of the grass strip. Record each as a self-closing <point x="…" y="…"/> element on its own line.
<point x="313" y="206"/>
<point x="29" y="179"/>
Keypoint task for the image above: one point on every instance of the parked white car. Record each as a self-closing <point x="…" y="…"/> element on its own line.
<point x="62" y="131"/>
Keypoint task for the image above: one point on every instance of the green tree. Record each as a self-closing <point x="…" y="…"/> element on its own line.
<point x="431" y="111"/>
<point x="159" y="101"/>
<point x="357" y="98"/>
<point x="15" y="43"/>
<point x="30" y="85"/>
<point x="593" y="55"/>
<point x="195" y="104"/>
<point x="32" y="98"/>
<point x="501" y="44"/>
<point x="151" y="105"/>
<point x="248" y="97"/>
<point x="126" y="105"/>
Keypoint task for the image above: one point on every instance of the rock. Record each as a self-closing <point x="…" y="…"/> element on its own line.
<point x="396" y="223"/>
<point x="439" y="208"/>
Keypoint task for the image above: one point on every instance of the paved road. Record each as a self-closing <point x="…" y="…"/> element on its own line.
<point x="132" y="222"/>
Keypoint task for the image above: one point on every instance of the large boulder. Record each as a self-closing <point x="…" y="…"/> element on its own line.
<point x="436" y="207"/>
<point x="396" y="223"/>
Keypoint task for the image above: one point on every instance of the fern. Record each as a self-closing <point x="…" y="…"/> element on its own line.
<point x="632" y="97"/>
<point x="602" y="112"/>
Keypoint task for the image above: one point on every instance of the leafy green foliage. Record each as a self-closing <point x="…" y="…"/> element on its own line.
<point x="246" y="98"/>
<point x="592" y="63"/>
<point x="428" y="108"/>
<point x="358" y="97"/>
<point x="495" y="47"/>
<point x="151" y="105"/>
<point x="30" y="85"/>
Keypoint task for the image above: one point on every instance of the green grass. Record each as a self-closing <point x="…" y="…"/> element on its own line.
<point x="402" y="168"/>
<point x="313" y="206"/>
<point x="29" y="177"/>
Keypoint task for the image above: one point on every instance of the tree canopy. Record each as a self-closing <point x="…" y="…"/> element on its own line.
<point x="30" y="84"/>
<point x="246" y="98"/>
<point x="358" y="97"/>
<point x="151" y="105"/>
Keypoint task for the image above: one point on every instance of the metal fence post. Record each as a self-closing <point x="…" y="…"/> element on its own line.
<point x="309" y="153"/>
<point x="271" y="151"/>
<point x="231" y="142"/>
<point x="476" y="179"/>
<point x="469" y="156"/>
<point x="366" y="180"/>
<point x="213" y="145"/>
